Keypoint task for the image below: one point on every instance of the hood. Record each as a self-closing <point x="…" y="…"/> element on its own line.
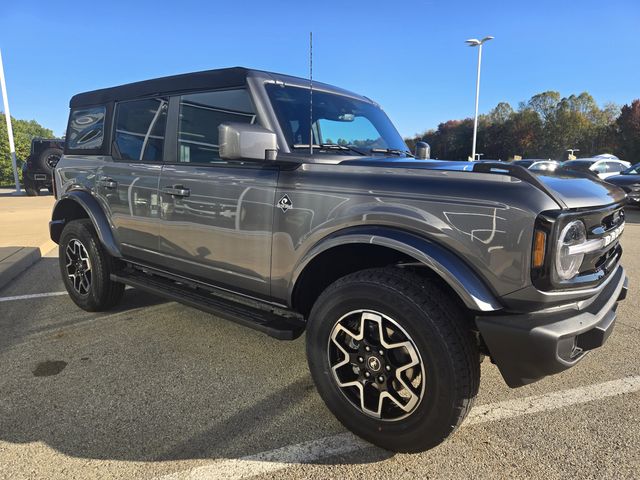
<point x="583" y="191"/>
<point x="574" y="189"/>
<point x="624" y="180"/>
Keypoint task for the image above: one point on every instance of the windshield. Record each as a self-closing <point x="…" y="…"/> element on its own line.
<point x="634" y="170"/>
<point x="523" y="163"/>
<point x="578" y="164"/>
<point x="337" y="120"/>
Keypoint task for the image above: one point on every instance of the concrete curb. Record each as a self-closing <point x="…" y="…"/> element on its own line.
<point x="15" y="260"/>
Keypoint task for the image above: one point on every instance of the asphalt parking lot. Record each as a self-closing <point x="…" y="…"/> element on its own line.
<point x="158" y="390"/>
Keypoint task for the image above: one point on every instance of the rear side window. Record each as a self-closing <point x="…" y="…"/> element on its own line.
<point x="139" y="130"/>
<point x="200" y="116"/>
<point x="86" y="129"/>
<point x="615" y="167"/>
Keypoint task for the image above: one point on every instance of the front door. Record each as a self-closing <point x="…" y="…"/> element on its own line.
<point x="216" y="214"/>
<point x="128" y="185"/>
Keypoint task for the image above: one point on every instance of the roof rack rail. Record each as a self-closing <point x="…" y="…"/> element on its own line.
<point x="520" y="173"/>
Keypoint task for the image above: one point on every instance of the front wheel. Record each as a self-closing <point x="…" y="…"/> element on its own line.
<point x="393" y="358"/>
<point x="86" y="267"/>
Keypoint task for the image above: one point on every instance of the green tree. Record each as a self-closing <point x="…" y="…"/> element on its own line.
<point x="23" y="132"/>
<point x="628" y="130"/>
<point x="544" y="104"/>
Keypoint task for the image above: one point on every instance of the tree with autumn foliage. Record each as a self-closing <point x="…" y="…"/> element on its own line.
<point x="543" y="127"/>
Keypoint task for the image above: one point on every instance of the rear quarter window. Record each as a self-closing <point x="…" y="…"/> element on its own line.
<point x="86" y="128"/>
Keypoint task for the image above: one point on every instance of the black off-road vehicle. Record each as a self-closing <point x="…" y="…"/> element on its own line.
<point x="37" y="171"/>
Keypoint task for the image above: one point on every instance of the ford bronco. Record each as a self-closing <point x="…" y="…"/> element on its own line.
<point x="290" y="208"/>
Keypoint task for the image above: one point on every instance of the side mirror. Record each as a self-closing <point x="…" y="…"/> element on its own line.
<point x="247" y="142"/>
<point x="423" y="151"/>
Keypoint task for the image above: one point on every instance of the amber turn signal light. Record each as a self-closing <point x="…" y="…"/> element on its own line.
<point x="539" y="242"/>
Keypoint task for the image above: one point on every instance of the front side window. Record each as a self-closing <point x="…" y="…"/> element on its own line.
<point x="338" y="120"/>
<point x="200" y="116"/>
<point x="86" y="128"/>
<point x="140" y="127"/>
<point x="600" y="168"/>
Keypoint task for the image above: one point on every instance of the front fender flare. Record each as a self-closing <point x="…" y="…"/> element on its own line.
<point x="454" y="271"/>
<point x="93" y="210"/>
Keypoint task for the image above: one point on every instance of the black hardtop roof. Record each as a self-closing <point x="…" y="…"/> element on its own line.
<point x="208" y="79"/>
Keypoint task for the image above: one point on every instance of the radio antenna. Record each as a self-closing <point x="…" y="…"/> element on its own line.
<point x="310" y="93"/>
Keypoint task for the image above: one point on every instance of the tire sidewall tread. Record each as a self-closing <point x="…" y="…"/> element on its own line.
<point x="104" y="293"/>
<point x="436" y="325"/>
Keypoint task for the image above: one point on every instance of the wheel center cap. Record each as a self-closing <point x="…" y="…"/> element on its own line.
<point x="374" y="364"/>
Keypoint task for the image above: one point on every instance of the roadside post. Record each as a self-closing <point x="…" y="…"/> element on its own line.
<point x="7" y="115"/>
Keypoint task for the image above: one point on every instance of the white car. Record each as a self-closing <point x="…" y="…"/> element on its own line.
<point x="602" y="167"/>
<point x="540" y="165"/>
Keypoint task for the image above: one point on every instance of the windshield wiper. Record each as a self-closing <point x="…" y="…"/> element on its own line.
<point x="328" y="146"/>
<point x="394" y="151"/>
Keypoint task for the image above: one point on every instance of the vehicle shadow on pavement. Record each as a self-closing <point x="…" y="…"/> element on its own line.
<point x="159" y="383"/>
<point x="23" y="319"/>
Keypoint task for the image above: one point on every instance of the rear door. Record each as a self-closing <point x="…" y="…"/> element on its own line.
<point x="128" y="185"/>
<point x="217" y="215"/>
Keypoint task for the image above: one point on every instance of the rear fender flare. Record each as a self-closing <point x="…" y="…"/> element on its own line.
<point x="69" y="202"/>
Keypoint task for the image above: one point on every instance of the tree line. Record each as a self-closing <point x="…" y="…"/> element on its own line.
<point x="543" y="127"/>
<point x="23" y="132"/>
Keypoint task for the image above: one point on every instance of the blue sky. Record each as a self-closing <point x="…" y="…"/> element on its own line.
<point x="409" y="56"/>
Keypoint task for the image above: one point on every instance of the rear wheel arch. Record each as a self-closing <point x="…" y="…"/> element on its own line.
<point x="79" y="204"/>
<point x="362" y="248"/>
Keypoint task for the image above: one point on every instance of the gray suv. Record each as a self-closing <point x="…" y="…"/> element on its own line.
<point x="288" y="209"/>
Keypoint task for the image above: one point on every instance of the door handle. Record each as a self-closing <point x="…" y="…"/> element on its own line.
<point x="177" y="191"/>
<point x="109" y="183"/>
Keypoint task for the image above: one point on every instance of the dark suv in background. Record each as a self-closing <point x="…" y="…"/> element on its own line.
<point x="37" y="170"/>
<point x="231" y="191"/>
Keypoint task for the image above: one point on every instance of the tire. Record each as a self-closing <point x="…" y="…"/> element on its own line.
<point x="406" y="307"/>
<point x="48" y="159"/>
<point x="80" y="253"/>
<point x="31" y="189"/>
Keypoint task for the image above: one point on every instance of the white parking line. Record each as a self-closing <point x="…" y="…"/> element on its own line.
<point x="312" y="451"/>
<point x="33" y="295"/>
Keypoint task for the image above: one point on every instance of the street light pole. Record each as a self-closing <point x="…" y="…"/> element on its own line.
<point x="7" y="114"/>
<point x="474" y="42"/>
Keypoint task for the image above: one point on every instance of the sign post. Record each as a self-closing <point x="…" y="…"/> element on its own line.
<point x="7" y="116"/>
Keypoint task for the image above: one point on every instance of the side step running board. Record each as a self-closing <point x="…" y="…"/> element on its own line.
<point x="286" y="326"/>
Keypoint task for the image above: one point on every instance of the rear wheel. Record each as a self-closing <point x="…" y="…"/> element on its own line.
<point x="86" y="267"/>
<point x="393" y="358"/>
<point x="31" y="188"/>
<point x="48" y="159"/>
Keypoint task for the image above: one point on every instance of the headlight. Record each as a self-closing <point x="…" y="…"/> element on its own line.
<point x="568" y="260"/>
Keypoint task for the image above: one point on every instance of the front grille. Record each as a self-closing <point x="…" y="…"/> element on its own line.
<point x="603" y="224"/>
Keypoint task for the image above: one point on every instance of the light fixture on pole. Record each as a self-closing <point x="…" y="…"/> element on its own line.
<point x="572" y="152"/>
<point x="474" y="42"/>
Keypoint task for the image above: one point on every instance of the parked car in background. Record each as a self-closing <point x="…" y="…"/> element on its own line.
<point x="544" y="165"/>
<point x="37" y="171"/>
<point x="600" y="167"/>
<point x="629" y="181"/>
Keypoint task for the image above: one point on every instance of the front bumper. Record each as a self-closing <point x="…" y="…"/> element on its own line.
<point x="528" y="347"/>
